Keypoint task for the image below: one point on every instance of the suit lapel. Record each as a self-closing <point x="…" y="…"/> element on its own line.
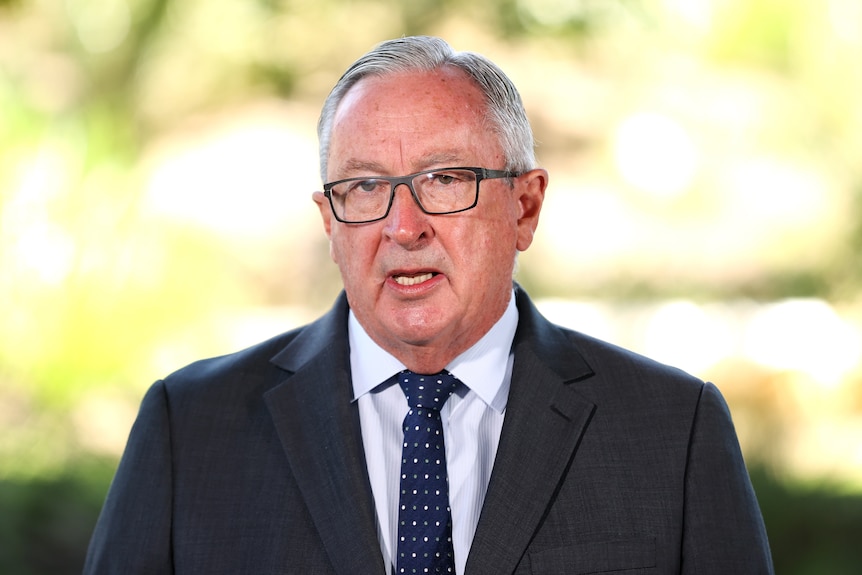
<point x="320" y="433"/>
<point x="545" y="419"/>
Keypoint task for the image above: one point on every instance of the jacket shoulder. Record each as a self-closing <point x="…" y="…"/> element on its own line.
<point x="270" y="360"/>
<point x="594" y="362"/>
<point x="621" y="360"/>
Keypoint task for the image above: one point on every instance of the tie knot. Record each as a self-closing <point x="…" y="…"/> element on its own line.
<point x="427" y="391"/>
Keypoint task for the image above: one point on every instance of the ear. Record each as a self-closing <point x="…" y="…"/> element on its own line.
<point x="325" y="212"/>
<point x="530" y="188"/>
<point x="326" y="216"/>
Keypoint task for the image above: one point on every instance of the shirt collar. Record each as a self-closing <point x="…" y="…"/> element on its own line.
<point x="484" y="367"/>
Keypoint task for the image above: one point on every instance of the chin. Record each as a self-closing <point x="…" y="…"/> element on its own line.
<point x="417" y="329"/>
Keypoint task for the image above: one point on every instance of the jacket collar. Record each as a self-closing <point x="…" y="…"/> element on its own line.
<point x="545" y="410"/>
<point x="320" y="432"/>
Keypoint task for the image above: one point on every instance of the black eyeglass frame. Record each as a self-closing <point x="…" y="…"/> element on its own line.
<point x="394" y="182"/>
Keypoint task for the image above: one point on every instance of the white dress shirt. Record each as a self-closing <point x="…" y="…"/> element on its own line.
<point x="472" y="420"/>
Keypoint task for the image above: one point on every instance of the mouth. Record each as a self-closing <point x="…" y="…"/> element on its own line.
<point x="413" y="279"/>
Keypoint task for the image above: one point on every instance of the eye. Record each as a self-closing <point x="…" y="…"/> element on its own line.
<point x="366" y="186"/>
<point x="444" y="178"/>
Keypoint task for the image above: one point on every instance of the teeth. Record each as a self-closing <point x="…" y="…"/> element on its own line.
<point x="413" y="280"/>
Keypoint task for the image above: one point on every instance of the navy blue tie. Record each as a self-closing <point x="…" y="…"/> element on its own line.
<point x="424" y="516"/>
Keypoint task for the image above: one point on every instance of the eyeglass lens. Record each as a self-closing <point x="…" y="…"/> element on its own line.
<point x="438" y="192"/>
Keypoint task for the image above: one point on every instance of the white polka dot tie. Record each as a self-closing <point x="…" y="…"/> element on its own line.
<point x="424" y="517"/>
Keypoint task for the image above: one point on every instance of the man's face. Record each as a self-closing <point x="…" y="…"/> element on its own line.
<point x="426" y="287"/>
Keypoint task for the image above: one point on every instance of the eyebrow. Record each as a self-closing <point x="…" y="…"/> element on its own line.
<point x="353" y="166"/>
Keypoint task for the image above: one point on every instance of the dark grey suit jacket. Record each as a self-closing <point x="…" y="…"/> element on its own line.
<point x="608" y="462"/>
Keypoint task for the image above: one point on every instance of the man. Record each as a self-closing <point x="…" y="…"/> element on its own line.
<point x="564" y="454"/>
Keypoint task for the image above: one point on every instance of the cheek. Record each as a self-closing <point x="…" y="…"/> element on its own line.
<point x="491" y="252"/>
<point x="500" y="238"/>
<point x="350" y="252"/>
<point x="336" y="246"/>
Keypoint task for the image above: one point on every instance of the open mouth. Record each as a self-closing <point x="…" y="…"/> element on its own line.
<point x="412" y="280"/>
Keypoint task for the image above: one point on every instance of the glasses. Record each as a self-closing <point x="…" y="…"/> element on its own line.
<point x="443" y="191"/>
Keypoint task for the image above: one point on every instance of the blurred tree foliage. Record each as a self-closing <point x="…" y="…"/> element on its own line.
<point x="94" y="287"/>
<point x="46" y="521"/>
<point x="813" y="530"/>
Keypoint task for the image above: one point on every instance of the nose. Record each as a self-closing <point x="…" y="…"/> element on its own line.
<point x="406" y="223"/>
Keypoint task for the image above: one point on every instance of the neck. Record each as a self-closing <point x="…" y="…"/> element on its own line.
<point x="430" y="357"/>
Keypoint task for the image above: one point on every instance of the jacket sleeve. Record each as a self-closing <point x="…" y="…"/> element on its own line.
<point x="723" y="530"/>
<point x="133" y="533"/>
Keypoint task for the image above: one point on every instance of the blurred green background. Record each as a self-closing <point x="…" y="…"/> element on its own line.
<point x="156" y="165"/>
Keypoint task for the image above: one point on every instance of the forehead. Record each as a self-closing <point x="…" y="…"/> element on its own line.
<point x="412" y="114"/>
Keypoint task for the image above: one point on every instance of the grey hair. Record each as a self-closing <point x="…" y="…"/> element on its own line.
<point x="505" y="110"/>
